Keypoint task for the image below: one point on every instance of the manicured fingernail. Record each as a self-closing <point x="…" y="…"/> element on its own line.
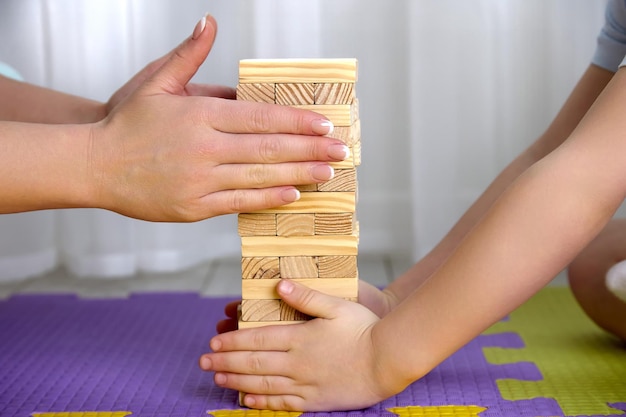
<point x="290" y="195"/>
<point x="205" y="363"/>
<point x="285" y="287"/>
<point x="322" y="126"/>
<point x="340" y="152"/>
<point x="197" y="31"/>
<point x="322" y="172"/>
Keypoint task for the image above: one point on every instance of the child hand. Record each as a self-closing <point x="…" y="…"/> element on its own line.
<point x="328" y="363"/>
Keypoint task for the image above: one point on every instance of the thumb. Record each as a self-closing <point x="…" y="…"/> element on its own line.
<point x="307" y="300"/>
<point x="183" y="62"/>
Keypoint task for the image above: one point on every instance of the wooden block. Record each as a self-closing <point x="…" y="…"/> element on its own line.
<point x="265" y="289"/>
<point x="337" y="267"/>
<point x="256" y="224"/>
<point x="328" y="202"/>
<point x="344" y="180"/>
<point x="339" y="114"/>
<point x="334" y="93"/>
<point x="347" y="134"/>
<point x="270" y="310"/>
<point x="334" y="223"/>
<point x="295" y="94"/>
<point x="298" y="267"/>
<point x="254" y="324"/>
<point x="298" y="224"/>
<point x="342" y="70"/>
<point x="356" y="153"/>
<point x="259" y="246"/>
<point x="307" y="187"/>
<point x="260" y="92"/>
<point x="264" y="267"/>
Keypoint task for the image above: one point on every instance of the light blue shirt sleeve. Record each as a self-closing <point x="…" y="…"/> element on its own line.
<point x="611" y="48"/>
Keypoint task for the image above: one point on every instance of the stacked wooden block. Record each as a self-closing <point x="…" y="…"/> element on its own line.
<point x="315" y="239"/>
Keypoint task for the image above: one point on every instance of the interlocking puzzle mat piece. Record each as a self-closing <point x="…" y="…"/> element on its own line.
<point x="583" y="368"/>
<point x="84" y="414"/>
<point x="61" y="354"/>
<point x="411" y="411"/>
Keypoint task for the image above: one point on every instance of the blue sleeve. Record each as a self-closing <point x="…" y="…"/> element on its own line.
<point x="611" y="47"/>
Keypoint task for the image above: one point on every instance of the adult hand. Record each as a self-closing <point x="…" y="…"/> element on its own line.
<point x="163" y="155"/>
<point x="328" y="363"/>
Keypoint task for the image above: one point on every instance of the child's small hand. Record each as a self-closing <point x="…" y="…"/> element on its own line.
<point x="328" y="363"/>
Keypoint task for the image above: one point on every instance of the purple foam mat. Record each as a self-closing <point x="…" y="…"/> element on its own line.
<point x="61" y="353"/>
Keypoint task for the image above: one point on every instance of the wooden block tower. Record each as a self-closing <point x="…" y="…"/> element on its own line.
<point x="315" y="239"/>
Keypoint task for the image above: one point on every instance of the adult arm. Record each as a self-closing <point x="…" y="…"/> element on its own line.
<point x="164" y="153"/>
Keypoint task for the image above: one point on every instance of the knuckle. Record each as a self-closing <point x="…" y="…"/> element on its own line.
<point x="238" y="202"/>
<point x="260" y="120"/>
<point x="254" y="363"/>
<point x="270" y="150"/>
<point x="266" y="384"/>
<point x="257" y="175"/>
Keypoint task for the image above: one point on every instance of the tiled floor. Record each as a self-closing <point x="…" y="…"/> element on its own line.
<point x="218" y="278"/>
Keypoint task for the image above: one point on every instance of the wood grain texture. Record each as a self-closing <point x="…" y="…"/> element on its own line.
<point x="259" y="92"/>
<point x="337" y="267"/>
<point x="265" y="289"/>
<point x="291" y="94"/>
<point x="343" y="181"/>
<point x="270" y="310"/>
<point x="298" y="267"/>
<point x="260" y="246"/>
<point x="295" y="224"/>
<point x="347" y="134"/>
<point x="256" y="224"/>
<point x="334" y="223"/>
<point x="340" y="70"/>
<point x="334" y="93"/>
<point x="262" y="267"/>
<point x="316" y="202"/>
<point x="254" y="324"/>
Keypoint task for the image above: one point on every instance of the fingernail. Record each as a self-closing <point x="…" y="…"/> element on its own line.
<point x="197" y="31"/>
<point x="322" y="126"/>
<point x="205" y="363"/>
<point x="285" y="287"/>
<point x="290" y="195"/>
<point x="215" y="345"/>
<point x="322" y="172"/>
<point x="340" y="152"/>
<point x="249" y="401"/>
<point x="219" y="378"/>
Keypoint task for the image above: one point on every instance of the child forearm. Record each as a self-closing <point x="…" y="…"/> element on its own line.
<point x="532" y="232"/>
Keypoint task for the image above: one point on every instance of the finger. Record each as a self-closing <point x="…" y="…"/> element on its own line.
<point x="227" y="116"/>
<point x="205" y="90"/>
<point x="307" y="300"/>
<point x="244" y="201"/>
<point x="245" y="362"/>
<point x="274" y="402"/>
<point x="276" y="148"/>
<point x="226" y="325"/>
<point x="184" y="61"/>
<point x="232" y="308"/>
<point x="267" y="338"/>
<point x="257" y="176"/>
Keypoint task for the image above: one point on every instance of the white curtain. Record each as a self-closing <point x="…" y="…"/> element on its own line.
<point x="449" y="90"/>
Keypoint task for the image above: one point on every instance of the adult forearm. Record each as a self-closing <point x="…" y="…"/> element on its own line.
<point x="44" y="167"/>
<point x="23" y="102"/>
